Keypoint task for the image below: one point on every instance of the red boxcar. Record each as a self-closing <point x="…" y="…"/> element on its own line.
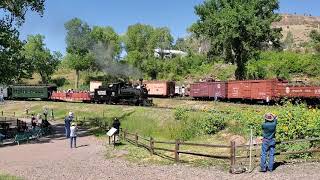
<point x="298" y="91"/>
<point x="252" y="89"/>
<point x="160" y="88"/>
<point x="268" y="90"/>
<point x="208" y="90"/>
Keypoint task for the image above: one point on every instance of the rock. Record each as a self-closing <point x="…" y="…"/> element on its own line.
<point x="239" y="140"/>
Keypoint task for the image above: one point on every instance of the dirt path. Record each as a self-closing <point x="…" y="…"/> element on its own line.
<point x="52" y="159"/>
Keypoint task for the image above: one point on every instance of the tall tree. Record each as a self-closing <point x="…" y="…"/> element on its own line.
<point x="137" y="38"/>
<point x="43" y="61"/>
<point x="315" y="40"/>
<point x="237" y="29"/>
<point x="289" y="40"/>
<point x="162" y="39"/>
<point x="109" y="38"/>
<point x="79" y="42"/>
<point x="13" y="65"/>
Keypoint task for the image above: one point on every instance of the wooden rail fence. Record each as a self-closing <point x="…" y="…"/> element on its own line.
<point x="231" y="150"/>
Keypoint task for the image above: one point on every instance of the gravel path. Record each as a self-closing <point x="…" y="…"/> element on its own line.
<point x="52" y="159"/>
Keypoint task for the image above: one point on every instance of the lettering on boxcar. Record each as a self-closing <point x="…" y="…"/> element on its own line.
<point x="235" y="92"/>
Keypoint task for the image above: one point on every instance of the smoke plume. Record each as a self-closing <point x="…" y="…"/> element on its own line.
<point x="104" y="59"/>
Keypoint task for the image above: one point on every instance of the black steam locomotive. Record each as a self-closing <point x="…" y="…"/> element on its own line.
<point x="122" y="93"/>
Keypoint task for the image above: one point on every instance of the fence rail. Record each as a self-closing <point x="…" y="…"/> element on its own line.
<point x="231" y="149"/>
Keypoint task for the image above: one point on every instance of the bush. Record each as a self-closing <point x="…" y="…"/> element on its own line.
<point x="60" y="81"/>
<point x="283" y="65"/>
<point x="192" y="124"/>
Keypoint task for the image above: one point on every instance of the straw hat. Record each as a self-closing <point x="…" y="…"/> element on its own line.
<point x="269" y="117"/>
<point x="70" y="114"/>
<point x="73" y="124"/>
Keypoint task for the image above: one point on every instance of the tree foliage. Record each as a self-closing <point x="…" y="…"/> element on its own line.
<point x="315" y="40"/>
<point x="137" y="39"/>
<point x="284" y="65"/>
<point x="42" y="60"/>
<point x="108" y="37"/>
<point x="79" y="42"/>
<point x="13" y="65"/>
<point x="237" y="29"/>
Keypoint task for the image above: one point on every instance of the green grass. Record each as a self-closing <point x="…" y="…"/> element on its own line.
<point x="180" y="123"/>
<point x="9" y="177"/>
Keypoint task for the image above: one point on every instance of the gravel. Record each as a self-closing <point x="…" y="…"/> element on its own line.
<point x="52" y="159"/>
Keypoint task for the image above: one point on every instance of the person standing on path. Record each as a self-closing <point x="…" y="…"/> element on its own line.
<point x="33" y="121"/>
<point x="73" y="135"/>
<point x="116" y="124"/>
<point x="268" y="142"/>
<point x="67" y="122"/>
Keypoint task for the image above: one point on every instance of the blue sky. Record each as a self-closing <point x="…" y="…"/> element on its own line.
<point x="178" y="15"/>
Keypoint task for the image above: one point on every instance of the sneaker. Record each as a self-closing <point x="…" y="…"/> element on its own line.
<point x="263" y="170"/>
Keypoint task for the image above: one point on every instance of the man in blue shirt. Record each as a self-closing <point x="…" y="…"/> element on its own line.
<point x="67" y="123"/>
<point x="268" y="142"/>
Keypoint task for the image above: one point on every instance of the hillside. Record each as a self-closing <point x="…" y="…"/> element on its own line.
<point x="299" y="25"/>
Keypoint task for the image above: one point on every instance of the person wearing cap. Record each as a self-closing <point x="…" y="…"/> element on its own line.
<point x="268" y="142"/>
<point x="116" y="124"/>
<point x="67" y="122"/>
<point x="33" y="121"/>
<point x="73" y="135"/>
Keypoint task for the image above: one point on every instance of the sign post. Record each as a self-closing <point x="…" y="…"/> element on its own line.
<point x="111" y="133"/>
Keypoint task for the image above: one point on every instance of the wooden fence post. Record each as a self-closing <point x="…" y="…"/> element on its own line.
<point x="2" y="113"/>
<point x="151" y="146"/>
<point x="52" y="114"/>
<point x="14" y="114"/>
<point x="125" y="134"/>
<point x="232" y="155"/>
<point x="176" y="153"/>
<point x="137" y="138"/>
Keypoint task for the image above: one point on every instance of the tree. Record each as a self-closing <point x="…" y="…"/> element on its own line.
<point x="13" y="66"/>
<point x="162" y="39"/>
<point x="315" y="40"/>
<point x="289" y="40"/>
<point x="237" y="29"/>
<point x="108" y="37"/>
<point x="43" y="62"/>
<point x="79" y="41"/>
<point x="137" y="38"/>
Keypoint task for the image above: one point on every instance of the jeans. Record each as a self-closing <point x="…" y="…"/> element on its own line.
<point x="268" y="146"/>
<point x="73" y="140"/>
<point x="67" y="130"/>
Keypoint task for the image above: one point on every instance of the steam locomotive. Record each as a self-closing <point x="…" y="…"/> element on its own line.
<point x="122" y="93"/>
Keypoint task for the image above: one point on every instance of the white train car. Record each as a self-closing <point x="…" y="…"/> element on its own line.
<point x="4" y="91"/>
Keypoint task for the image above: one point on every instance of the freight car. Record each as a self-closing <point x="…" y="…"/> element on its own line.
<point x="259" y="90"/>
<point x="254" y="90"/>
<point x="160" y="88"/>
<point x="71" y="96"/>
<point x="208" y="90"/>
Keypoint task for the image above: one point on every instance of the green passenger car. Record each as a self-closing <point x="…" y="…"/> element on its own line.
<point x="31" y="91"/>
